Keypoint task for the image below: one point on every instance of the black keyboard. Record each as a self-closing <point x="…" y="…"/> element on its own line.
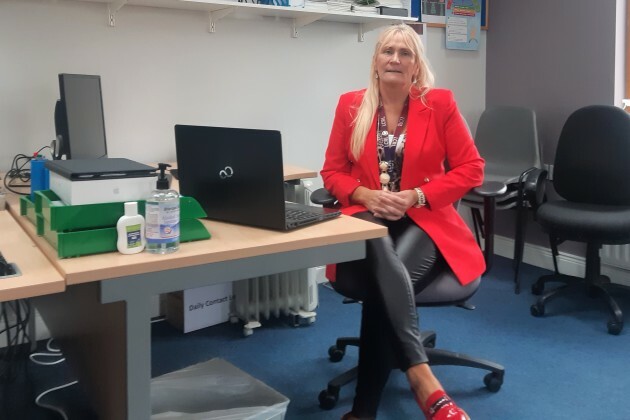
<point x="299" y="214"/>
<point x="6" y="269"/>
<point x="293" y="215"/>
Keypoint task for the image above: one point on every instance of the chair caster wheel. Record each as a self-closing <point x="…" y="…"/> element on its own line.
<point x="335" y="354"/>
<point x="615" y="327"/>
<point x="493" y="382"/>
<point x="537" y="309"/>
<point x="537" y="289"/>
<point x="327" y="401"/>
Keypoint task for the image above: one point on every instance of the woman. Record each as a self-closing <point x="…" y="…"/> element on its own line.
<point x="385" y="162"/>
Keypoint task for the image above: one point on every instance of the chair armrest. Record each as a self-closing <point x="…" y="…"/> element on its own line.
<point x="323" y="197"/>
<point x="535" y="186"/>
<point x="491" y="189"/>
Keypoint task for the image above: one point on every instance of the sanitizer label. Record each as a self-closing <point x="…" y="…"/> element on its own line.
<point x="133" y="236"/>
<point x="162" y="222"/>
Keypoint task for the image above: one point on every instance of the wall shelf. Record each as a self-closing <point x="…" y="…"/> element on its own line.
<point x="218" y="9"/>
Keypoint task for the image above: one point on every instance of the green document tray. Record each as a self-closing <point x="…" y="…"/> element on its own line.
<point x="91" y="228"/>
<point x="63" y="218"/>
<point x="96" y="241"/>
<point x="27" y="208"/>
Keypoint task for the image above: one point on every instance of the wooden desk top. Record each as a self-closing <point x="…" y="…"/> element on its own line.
<point x="39" y="276"/>
<point x="228" y="242"/>
<point x="292" y="172"/>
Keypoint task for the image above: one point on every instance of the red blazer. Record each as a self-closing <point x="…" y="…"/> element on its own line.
<point x="436" y="133"/>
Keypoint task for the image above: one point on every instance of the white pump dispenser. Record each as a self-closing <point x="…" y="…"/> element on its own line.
<point x="162" y="215"/>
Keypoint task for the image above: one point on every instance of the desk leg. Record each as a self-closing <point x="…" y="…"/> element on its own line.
<point x="32" y="331"/>
<point x="108" y="347"/>
<point x="139" y="357"/>
<point x="488" y="229"/>
<point x="93" y="337"/>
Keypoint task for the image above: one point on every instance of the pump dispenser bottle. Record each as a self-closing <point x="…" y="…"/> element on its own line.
<point x="162" y="217"/>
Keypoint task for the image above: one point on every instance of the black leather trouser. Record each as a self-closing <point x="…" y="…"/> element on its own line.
<point x="395" y="269"/>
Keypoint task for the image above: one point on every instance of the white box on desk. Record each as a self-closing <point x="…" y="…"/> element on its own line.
<point x="101" y="190"/>
<point x="198" y="308"/>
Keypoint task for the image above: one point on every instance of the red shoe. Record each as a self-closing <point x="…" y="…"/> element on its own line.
<point x="439" y="406"/>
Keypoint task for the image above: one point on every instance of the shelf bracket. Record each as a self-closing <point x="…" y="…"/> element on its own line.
<point x="367" y="27"/>
<point x="303" y="21"/>
<point x="112" y="8"/>
<point x="215" y="16"/>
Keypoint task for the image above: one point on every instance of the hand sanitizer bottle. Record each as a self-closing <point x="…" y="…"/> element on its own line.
<point x="130" y="229"/>
<point x="162" y="217"/>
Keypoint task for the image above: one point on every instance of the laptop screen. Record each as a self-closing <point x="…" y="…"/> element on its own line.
<point x="236" y="174"/>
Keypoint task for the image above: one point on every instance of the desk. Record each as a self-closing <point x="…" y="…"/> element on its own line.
<point x="102" y="321"/>
<point x="38" y="276"/>
<point x="295" y="173"/>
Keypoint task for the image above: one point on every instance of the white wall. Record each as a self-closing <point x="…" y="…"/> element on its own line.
<point x="464" y="72"/>
<point x="620" y="53"/>
<point x="160" y="67"/>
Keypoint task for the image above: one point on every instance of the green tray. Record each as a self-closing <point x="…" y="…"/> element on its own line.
<point x="64" y="218"/>
<point x="27" y="208"/>
<point x="96" y="241"/>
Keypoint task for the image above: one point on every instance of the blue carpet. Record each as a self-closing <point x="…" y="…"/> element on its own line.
<point x="562" y="366"/>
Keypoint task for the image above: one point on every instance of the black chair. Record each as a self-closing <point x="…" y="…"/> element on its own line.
<point x="439" y="293"/>
<point x="592" y="175"/>
<point x="507" y="138"/>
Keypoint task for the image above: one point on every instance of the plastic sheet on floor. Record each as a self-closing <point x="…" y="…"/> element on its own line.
<point x="214" y="389"/>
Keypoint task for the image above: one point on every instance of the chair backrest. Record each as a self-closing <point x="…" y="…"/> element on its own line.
<point x="507" y="138"/>
<point x="592" y="163"/>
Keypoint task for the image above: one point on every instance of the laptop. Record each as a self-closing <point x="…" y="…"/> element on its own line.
<point x="236" y="174"/>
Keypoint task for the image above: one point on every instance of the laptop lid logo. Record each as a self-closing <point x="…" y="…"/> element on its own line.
<point x="226" y="173"/>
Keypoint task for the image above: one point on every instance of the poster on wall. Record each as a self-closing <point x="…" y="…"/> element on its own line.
<point x="433" y="12"/>
<point x="463" y="24"/>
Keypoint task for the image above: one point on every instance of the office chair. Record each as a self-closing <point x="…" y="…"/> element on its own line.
<point x="592" y="175"/>
<point x="513" y="178"/>
<point x="439" y="293"/>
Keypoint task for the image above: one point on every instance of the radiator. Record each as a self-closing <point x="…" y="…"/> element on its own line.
<point x="292" y="294"/>
<point x="616" y="256"/>
<point x="298" y="191"/>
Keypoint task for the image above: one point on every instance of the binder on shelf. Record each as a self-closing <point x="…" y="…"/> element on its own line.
<point x="393" y="11"/>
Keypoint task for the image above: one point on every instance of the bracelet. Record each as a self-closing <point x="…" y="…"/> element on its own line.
<point x="422" y="200"/>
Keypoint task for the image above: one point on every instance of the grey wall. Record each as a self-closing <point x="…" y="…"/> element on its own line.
<point x="554" y="57"/>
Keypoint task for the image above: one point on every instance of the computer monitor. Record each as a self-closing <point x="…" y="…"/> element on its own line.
<point x="79" y="121"/>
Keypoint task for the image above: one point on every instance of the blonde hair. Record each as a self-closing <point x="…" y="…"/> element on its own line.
<point x="422" y="82"/>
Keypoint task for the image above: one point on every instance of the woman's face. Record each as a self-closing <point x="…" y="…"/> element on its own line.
<point x="395" y="62"/>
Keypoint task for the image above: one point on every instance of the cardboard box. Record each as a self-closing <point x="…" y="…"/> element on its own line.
<point x="198" y="308"/>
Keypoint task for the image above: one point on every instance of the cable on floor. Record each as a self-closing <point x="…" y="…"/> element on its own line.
<point x="54" y="352"/>
<point x="50" y="406"/>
